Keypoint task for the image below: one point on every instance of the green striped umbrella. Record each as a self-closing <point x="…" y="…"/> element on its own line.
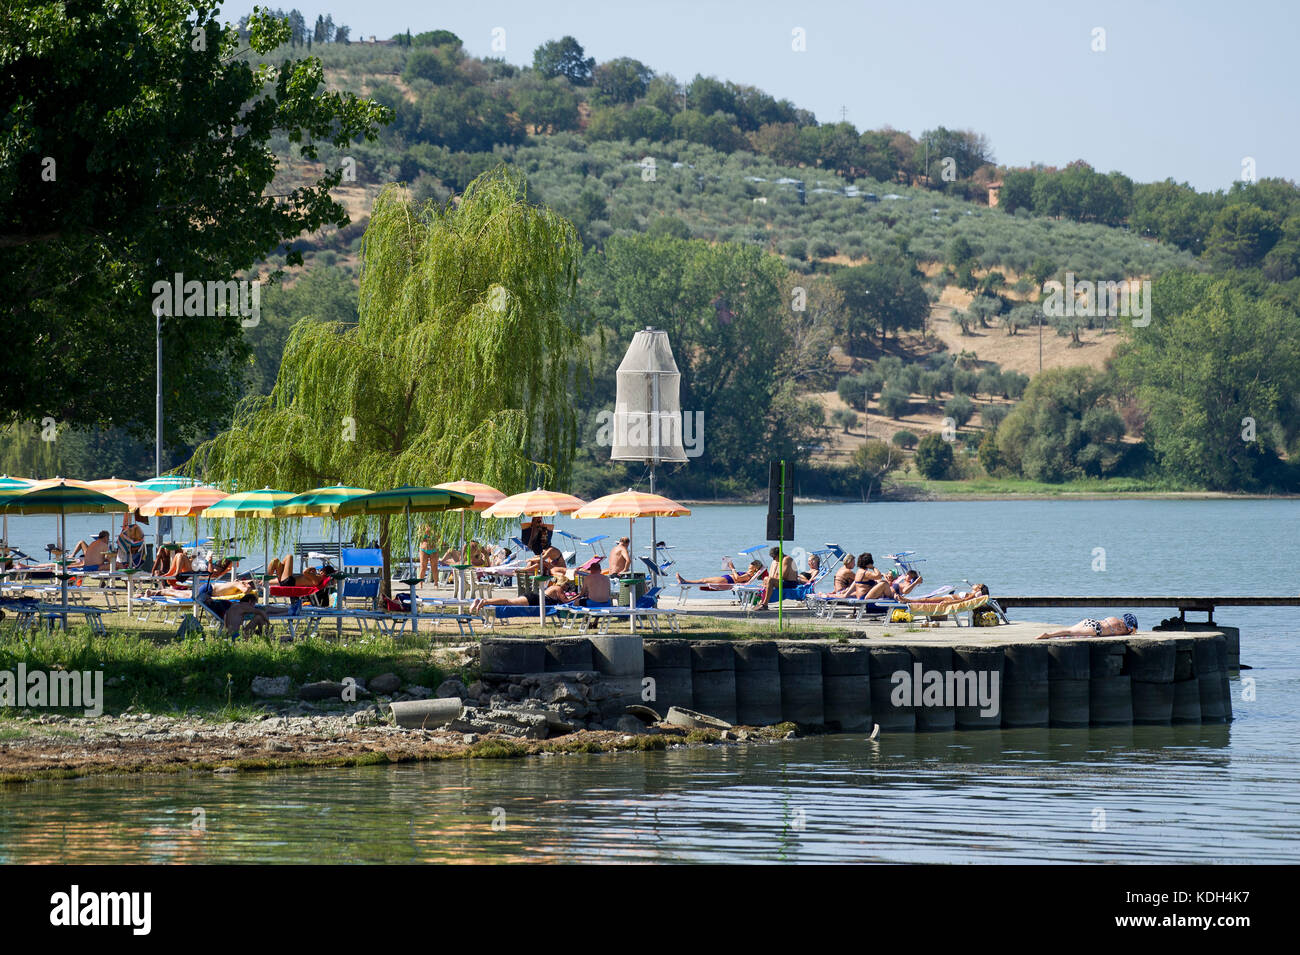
<point x="253" y="504"/>
<point x="62" y="498"/>
<point x="167" y="482"/>
<point x="8" y="483"/>
<point x="404" y="500"/>
<point x="324" y="502"/>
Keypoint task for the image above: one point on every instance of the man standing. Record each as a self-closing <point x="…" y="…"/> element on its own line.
<point x="619" y="558"/>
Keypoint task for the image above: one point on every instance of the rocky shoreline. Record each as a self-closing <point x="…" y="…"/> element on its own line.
<point x="349" y="724"/>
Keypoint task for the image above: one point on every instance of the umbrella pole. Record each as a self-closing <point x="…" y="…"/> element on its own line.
<point x="415" y="609"/>
<point x="63" y="557"/>
<point x="266" y="562"/>
<point x="631" y="547"/>
<point x="338" y="589"/>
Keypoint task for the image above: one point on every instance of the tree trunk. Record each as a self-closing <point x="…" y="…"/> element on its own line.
<point x="385" y="584"/>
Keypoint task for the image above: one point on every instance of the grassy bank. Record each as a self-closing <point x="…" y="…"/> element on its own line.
<point x="149" y="671"/>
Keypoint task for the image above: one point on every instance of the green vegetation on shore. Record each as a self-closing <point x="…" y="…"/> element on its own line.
<point x="208" y="674"/>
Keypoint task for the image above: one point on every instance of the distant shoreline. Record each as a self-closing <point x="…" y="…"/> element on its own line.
<point x="918" y="495"/>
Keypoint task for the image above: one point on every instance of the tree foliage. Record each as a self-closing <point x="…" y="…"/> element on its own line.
<point x="138" y="144"/>
<point x="1218" y="373"/>
<point x="462" y="363"/>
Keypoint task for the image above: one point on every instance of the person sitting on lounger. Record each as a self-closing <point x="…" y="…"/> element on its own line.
<point x="593" y="589"/>
<point x="282" y="570"/>
<point x="892" y="586"/>
<point x="844" y="577"/>
<point x="245" y="613"/>
<point x="726" y="581"/>
<point x="781" y="576"/>
<point x="130" y="543"/>
<point x="547" y="562"/>
<point x="93" y="554"/>
<point x="1088" y="627"/>
<point x="814" y="566"/>
<point x="171" y="563"/>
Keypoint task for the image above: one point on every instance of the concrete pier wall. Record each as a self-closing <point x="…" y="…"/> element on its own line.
<point x="927" y="686"/>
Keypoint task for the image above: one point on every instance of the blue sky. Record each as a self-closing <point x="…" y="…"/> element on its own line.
<point x="1185" y="90"/>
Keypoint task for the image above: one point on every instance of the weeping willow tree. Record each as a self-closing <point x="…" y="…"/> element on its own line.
<point x="463" y="364"/>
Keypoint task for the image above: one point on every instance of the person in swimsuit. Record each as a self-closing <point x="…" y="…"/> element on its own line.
<point x="780" y="577"/>
<point x="130" y="543"/>
<point x="1088" y="627"/>
<point x="844" y="577"/>
<point x="556" y="593"/>
<point x="619" y="558"/>
<point x="93" y="554"/>
<point x="594" y="588"/>
<point x="726" y="581"/>
<point x="282" y="570"/>
<point x="814" y="566"/>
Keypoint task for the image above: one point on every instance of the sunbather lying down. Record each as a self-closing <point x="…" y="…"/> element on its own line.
<point x="282" y="570"/>
<point x="726" y="581"/>
<point x="1088" y="627"/>
<point x="557" y="592"/>
<point x="948" y="600"/>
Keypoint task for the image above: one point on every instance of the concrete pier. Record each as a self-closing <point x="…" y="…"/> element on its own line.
<point x="918" y="681"/>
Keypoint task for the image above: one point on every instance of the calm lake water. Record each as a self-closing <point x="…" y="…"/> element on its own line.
<point x="1171" y="794"/>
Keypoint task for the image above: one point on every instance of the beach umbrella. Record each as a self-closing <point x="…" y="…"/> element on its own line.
<point x="133" y="496"/>
<point x="404" y="500"/>
<point x="183" y="501"/>
<point x="485" y="495"/>
<point x="62" y="498"/>
<point x="535" y="503"/>
<point x="323" y="502"/>
<point x="8" y="483"/>
<point x="186" y="501"/>
<point x="631" y="504"/>
<point x="108" y="485"/>
<point x="167" y="482"/>
<point x="250" y="504"/>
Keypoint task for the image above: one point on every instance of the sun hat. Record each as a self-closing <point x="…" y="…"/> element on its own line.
<point x="1131" y="621"/>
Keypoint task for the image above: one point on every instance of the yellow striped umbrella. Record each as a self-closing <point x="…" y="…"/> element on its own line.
<point x="536" y="503"/>
<point x="631" y="504"/>
<point x="485" y="495"/>
<point x="109" y="485"/>
<point x="184" y="501"/>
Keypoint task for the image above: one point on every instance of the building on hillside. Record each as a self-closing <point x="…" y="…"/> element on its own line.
<point x="995" y="189"/>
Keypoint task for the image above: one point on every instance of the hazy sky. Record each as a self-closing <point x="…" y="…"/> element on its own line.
<point x="1185" y="90"/>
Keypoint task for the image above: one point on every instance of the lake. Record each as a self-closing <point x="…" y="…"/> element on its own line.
<point x="1169" y="794"/>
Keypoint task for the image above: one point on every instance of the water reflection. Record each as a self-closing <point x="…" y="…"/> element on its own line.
<point x="1142" y="793"/>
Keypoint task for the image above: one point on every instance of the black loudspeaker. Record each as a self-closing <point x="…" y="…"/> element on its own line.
<point x="780" y="501"/>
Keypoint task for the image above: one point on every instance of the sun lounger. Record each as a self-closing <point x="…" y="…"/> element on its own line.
<point x="941" y="610"/>
<point x="601" y="617"/>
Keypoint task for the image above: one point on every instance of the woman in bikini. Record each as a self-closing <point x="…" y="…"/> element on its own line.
<point x="282" y="570"/>
<point x="844" y="577"/>
<point x="1088" y="627"/>
<point x="726" y="581"/>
